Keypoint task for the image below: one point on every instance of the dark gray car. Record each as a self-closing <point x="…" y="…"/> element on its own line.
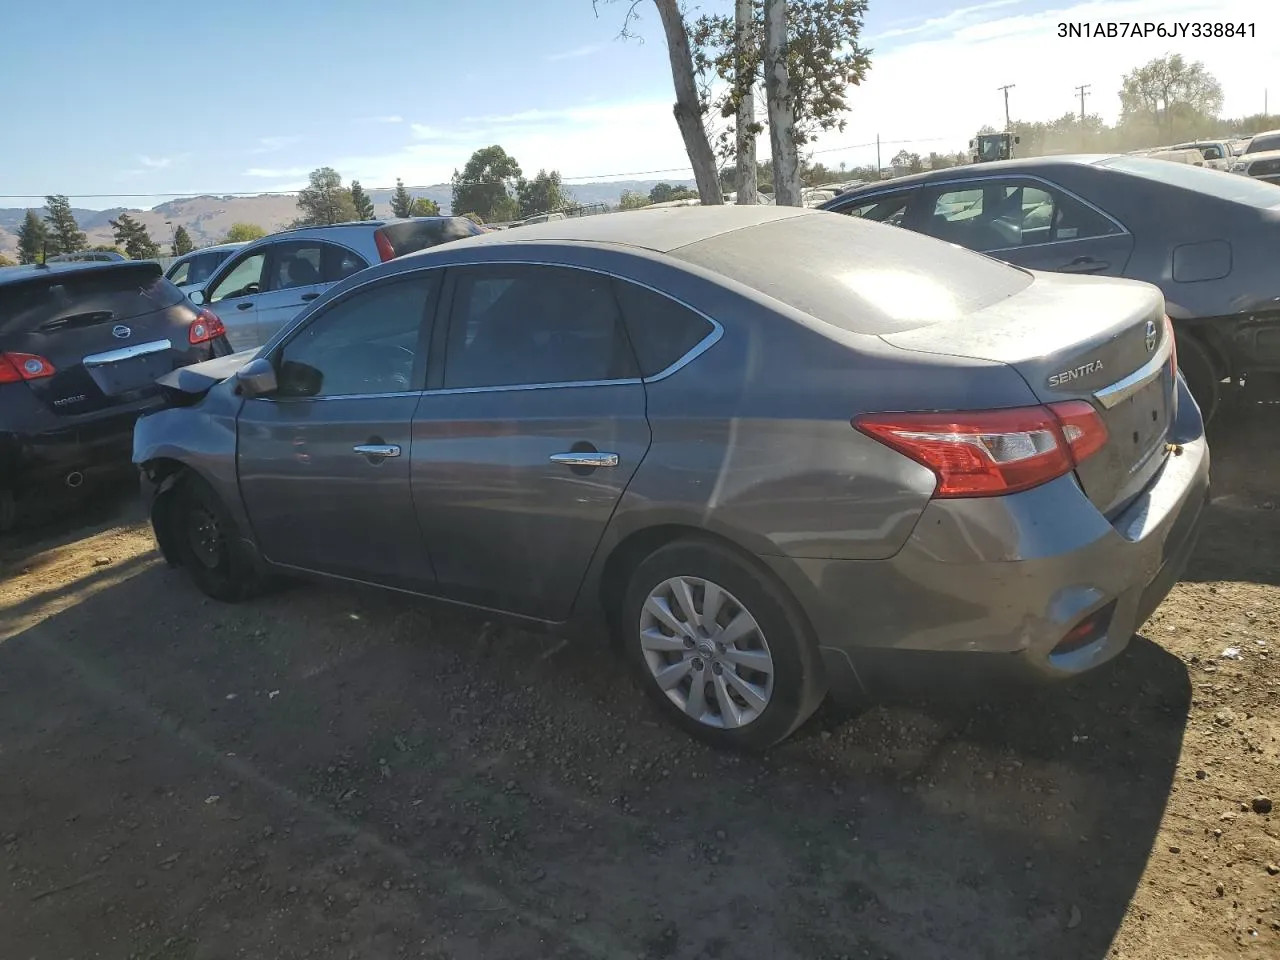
<point x="1205" y="237"/>
<point x="776" y="450"/>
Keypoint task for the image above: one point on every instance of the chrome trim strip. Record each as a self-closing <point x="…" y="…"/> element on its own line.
<point x="945" y="181"/>
<point x="126" y="353"/>
<point x="1126" y="387"/>
<point x="701" y="347"/>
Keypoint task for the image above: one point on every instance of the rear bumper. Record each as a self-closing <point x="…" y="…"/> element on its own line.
<point x="41" y="461"/>
<point x="986" y="591"/>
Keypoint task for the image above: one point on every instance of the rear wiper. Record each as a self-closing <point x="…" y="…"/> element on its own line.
<point x="74" y="320"/>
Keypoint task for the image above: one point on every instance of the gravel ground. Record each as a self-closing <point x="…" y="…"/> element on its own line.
<point x="328" y="773"/>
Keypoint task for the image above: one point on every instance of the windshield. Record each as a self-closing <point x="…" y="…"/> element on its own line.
<point x="1263" y="142"/>
<point x="1215" y="183"/>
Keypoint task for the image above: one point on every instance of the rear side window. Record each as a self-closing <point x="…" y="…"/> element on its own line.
<point x="662" y="331"/>
<point x="520" y="325"/>
<point x="295" y="265"/>
<point x="340" y="263"/>
<point x="887" y="208"/>
<point x="64" y="299"/>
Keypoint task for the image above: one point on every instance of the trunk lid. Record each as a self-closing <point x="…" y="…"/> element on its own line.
<point x="109" y="330"/>
<point x="1103" y="341"/>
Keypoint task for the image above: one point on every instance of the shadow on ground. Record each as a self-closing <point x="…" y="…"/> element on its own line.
<point x="338" y="774"/>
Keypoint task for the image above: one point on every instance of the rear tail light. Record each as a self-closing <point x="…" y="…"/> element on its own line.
<point x="17" y="367"/>
<point x="385" y="250"/>
<point x="205" y="327"/>
<point x="989" y="453"/>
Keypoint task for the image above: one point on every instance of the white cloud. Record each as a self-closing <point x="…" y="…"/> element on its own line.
<point x="575" y="53"/>
<point x="943" y="86"/>
<point x="276" y="174"/>
<point x="388" y="119"/>
<point x="155" y="163"/>
<point x="272" y="144"/>
<point x="932" y="82"/>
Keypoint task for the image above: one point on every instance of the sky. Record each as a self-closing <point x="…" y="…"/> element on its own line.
<point x="167" y="99"/>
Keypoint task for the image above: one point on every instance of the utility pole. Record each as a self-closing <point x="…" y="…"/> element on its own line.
<point x="878" y="167"/>
<point x="1006" y="88"/>
<point x="1083" y="90"/>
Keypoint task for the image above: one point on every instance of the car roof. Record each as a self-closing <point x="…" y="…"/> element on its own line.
<point x="30" y="271"/>
<point x="350" y="224"/>
<point x="661" y="230"/>
<point x="994" y="167"/>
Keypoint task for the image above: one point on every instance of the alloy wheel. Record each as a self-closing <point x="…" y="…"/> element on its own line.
<point x="706" y="652"/>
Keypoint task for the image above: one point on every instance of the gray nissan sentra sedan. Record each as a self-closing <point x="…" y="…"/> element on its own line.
<point x="777" y="451"/>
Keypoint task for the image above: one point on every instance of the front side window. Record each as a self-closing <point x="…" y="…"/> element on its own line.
<point x="524" y="324"/>
<point x="368" y="343"/>
<point x="890" y="208"/>
<point x="244" y="279"/>
<point x="295" y="265"/>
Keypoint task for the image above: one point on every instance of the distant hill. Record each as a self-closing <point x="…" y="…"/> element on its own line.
<point x="207" y="219"/>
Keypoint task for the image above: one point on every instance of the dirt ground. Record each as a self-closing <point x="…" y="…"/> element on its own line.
<point x="325" y="773"/>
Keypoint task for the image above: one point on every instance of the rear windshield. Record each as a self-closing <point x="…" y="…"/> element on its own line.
<point x="63" y="299"/>
<point x="410" y="236"/>
<point x="1214" y="183"/>
<point x="1270" y="141"/>
<point x="866" y="278"/>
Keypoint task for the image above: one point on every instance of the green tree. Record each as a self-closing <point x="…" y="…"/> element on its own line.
<point x="324" y="200"/>
<point x="133" y="236"/>
<point x="1170" y="94"/>
<point x="484" y="186"/>
<point x="64" y="232"/>
<point x="182" y="241"/>
<point x="401" y="202"/>
<point x="545" y="193"/>
<point x="33" y="234"/>
<point x="424" y="207"/>
<point x="632" y="200"/>
<point x="665" y="193"/>
<point x="243" y="233"/>
<point x="6" y="262"/>
<point x="361" y="201"/>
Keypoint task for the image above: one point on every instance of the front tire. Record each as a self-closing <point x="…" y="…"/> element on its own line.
<point x="207" y="542"/>
<point x="720" y="646"/>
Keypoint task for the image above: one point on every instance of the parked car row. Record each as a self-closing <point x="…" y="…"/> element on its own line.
<point x="1204" y="237"/>
<point x="775" y="452"/>
<point x="84" y="337"/>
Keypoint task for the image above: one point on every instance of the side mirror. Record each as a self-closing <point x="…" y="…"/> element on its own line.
<point x="257" y="378"/>
<point x="196" y="297"/>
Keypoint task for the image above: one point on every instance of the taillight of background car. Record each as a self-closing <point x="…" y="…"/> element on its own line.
<point x="989" y="453"/>
<point x="385" y="250"/>
<point x="205" y="327"/>
<point x="17" y="367"/>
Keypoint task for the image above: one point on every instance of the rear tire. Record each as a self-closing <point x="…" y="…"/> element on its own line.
<point x="208" y="543"/>
<point x="740" y="670"/>
<point x="1203" y="377"/>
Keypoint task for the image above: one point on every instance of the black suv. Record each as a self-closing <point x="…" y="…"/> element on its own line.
<point x="81" y="346"/>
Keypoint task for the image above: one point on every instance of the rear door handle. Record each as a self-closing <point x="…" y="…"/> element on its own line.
<point x="379" y="450"/>
<point x="585" y="458"/>
<point x="309" y="296"/>
<point x="244" y="306"/>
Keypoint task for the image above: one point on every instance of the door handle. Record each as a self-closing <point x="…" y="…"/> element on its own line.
<point x="309" y="296"/>
<point x="379" y="450"/>
<point x="585" y="458"/>
<point x="1084" y="265"/>
<point x="244" y="306"/>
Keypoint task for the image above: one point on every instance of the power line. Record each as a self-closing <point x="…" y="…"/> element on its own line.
<point x="290" y="193"/>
